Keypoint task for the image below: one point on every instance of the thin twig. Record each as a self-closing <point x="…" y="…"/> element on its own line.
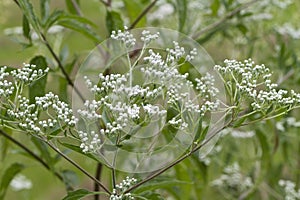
<point x="97" y="176"/>
<point x="77" y="8"/>
<point x="31" y="153"/>
<point x="143" y="13"/>
<point x="77" y="166"/>
<point x="61" y="67"/>
<point x="159" y="172"/>
<point x="106" y="3"/>
<point x="222" y="20"/>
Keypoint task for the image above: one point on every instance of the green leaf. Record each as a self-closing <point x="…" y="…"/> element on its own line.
<point x="63" y="83"/>
<point x="28" y="11"/>
<point x="26" y="28"/>
<point x="214" y="7"/>
<point x="4" y="144"/>
<point x="263" y="140"/>
<point x="78" y="19"/>
<point x="79" y="24"/>
<point x="70" y="178"/>
<point x="52" y="19"/>
<point x="37" y="88"/>
<point x="44" y="151"/>
<point x="134" y="9"/>
<point x="70" y="6"/>
<point x="77" y="194"/>
<point x="239" y="122"/>
<point x="113" y="21"/>
<point x="182" y="13"/>
<point x="159" y="183"/>
<point x="242" y="28"/>
<point x="78" y="150"/>
<point x="45" y="9"/>
<point x="7" y="177"/>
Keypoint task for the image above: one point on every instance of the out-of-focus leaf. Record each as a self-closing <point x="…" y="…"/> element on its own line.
<point x="44" y="151"/>
<point x="45" y="9"/>
<point x="28" y="11"/>
<point x="26" y="28"/>
<point x="159" y="183"/>
<point x="7" y="177"/>
<point x="70" y="6"/>
<point x="4" y="144"/>
<point x="264" y="146"/>
<point x="70" y="178"/>
<point x="81" y="25"/>
<point x="149" y="195"/>
<point x="214" y="7"/>
<point x="182" y="13"/>
<point x="63" y="84"/>
<point x="37" y="88"/>
<point x="113" y="21"/>
<point x="134" y="9"/>
<point x="77" y="194"/>
<point x="242" y="28"/>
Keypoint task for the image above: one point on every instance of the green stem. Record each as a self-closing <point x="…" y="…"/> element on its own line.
<point x="223" y="20"/>
<point x="37" y="158"/>
<point x="143" y="13"/>
<point x="76" y="165"/>
<point x="159" y="172"/>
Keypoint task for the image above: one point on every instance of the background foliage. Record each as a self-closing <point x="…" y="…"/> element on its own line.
<point x="61" y="34"/>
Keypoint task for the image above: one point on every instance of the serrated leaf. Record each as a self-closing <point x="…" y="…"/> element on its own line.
<point x="37" y="88"/>
<point x="77" y="194"/>
<point x="113" y="21"/>
<point x="7" y="177"/>
<point x="182" y="13"/>
<point x="28" y="11"/>
<point x="26" y="28"/>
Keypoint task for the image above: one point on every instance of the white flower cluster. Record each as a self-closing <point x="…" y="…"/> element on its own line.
<point x="26" y="115"/>
<point x="120" y="104"/>
<point x="147" y="37"/>
<point x="289" y="188"/>
<point x="233" y="179"/>
<point x="287" y="123"/>
<point x="118" y="192"/>
<point x="63" y="112"/>
<point x="28" y="73"/>
<point x="125" y="36"/>
<point x="90" y="141"/>
<point x="6" y="87"/>
<point x="254" y="81"/>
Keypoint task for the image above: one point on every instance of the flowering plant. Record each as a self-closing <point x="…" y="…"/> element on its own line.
<point x="122" y="108"/>
<point x="147" y="109"/>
